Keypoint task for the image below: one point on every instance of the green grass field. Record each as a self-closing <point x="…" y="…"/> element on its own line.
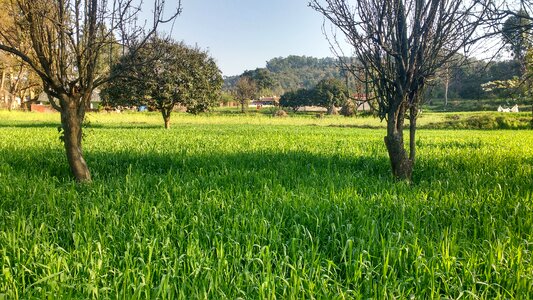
<point x="476" y="105"/>
<point x="253" y="207"/>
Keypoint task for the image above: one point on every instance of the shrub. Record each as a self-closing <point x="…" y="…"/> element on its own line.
<point x="482" y="122"/>
<point x="485" y="121"/>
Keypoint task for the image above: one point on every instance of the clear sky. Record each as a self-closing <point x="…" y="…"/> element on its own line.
<point x="244" y="34"/>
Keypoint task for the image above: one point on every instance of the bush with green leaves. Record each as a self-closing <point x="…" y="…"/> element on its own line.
<point x="164" y="74"/>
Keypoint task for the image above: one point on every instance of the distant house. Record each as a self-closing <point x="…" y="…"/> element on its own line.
<point x="229" y="104"/>
<point x="361" y="102"/>
<point x="42" y="105"/>
<point x="266" y="101"/>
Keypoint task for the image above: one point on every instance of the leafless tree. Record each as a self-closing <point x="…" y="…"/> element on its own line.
<point x="245" y="89"/>
<point x="17" y="81"/>
<point x="65" y="41"/>
<point x="400" y="44"/>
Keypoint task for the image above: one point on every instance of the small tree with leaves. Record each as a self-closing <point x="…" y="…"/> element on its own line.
<point x="330" y="94"/>
<point x="296" y="99"/>
<point x="517" y="36"/>
<point x="164" y="74"/>
<point x="265" y="81"/>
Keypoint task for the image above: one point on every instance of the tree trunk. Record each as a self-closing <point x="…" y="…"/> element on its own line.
<point x="166" y="116"/>
<point x="3" y="80"/>
<point x="9" y="102"/>
<point x="402" y="165"/>
<point x="2" y="92"/>
<point x="446" y="87"/>
<point x="242" y="106"/>
<point x="413" y="116"/>
<point x="71" y="120"/>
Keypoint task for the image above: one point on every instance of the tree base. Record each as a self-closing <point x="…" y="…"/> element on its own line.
<point x="402" y="166"/>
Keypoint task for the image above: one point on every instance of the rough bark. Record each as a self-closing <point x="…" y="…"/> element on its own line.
<point x="63" y="44"/>
<point x="72" y="116"/>
<point x="400" y="45"/>
<point x="402" y="166"/>
<point x="401" y="163"/>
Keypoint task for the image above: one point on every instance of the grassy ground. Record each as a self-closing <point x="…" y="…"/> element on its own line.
<point x="426" y="120"/>
<point x="472" y="105"/>
<point x="256" y="207"/>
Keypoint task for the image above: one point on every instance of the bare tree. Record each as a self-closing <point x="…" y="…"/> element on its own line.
<point x="400" y="44"/>
<point x="245" y="89"/>
<point x="17" y="81"/>
<point x="64" y="41"/>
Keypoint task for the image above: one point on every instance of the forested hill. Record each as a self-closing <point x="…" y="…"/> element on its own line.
<point x="294" y="72"/>
<point x="465" y="80"/>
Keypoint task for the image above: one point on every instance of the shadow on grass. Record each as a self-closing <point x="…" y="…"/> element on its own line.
<point x="252" y="167"/>
<point x="277" y="165"/>
<point x="57" y="124"/>
<point x="12" y="124"/>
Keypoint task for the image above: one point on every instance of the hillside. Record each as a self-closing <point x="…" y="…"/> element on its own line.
<point x="294" y="72"/>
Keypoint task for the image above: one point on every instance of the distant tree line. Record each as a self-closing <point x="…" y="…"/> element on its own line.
<point x="465" y="81"/>
<point x="294" y="73"/>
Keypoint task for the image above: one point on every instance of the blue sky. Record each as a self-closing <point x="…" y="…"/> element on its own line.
<point x="244" y="34"/>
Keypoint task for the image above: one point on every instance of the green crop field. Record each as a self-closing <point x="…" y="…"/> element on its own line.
<point x="254" y="207"/>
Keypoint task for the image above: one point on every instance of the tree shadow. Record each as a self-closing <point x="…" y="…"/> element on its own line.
<point x="284" y="167"/>
<point x="30" y="125"/>
<point x="288" y="168"/>
<point x="133" y="125"/>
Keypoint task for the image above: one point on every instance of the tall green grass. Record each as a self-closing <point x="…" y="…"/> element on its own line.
<point x="222" y="207"/>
